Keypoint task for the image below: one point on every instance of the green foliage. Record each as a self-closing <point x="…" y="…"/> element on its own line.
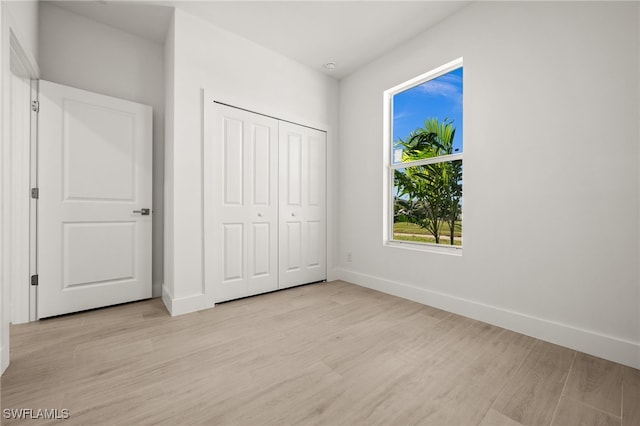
<point x="429" y="195"/>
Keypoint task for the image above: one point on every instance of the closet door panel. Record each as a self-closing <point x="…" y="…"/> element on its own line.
<point x="245" y="215"/>
<point x="315" y="215"/>
<point x="302" y="205"/>
<point x="262" y="179"/>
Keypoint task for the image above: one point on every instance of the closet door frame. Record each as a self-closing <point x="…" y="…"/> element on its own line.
<point x="210" y="98"/>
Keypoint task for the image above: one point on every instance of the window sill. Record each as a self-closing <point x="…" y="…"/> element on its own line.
<point x="426" y="247"/>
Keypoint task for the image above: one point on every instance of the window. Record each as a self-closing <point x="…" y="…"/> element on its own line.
<point x="424" y="145"/>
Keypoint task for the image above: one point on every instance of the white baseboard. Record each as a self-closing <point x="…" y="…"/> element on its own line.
<point x="603" y="346"/>
<point x="4" y="358"/>
<point x="183" y="305"/>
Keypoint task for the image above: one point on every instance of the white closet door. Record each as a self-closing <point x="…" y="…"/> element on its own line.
<point x="245" y="208"/>
<point x="302" y="227"/>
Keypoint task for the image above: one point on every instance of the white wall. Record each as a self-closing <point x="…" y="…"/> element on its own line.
<point x="551" y="176"/>
<point x="21" y="19"/>
<point x="4" y="320"/>
<point x="169" y="76"/>
<point x="79" y="52"/>
<point x="24" y="24"/>
<point x="241" y="73"/>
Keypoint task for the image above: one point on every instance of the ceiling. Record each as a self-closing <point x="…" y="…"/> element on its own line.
<point x="143" y="19"/>
<point x="348" y="33"/>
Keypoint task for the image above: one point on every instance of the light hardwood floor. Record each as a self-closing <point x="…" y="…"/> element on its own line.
<point x="324" y="354"/>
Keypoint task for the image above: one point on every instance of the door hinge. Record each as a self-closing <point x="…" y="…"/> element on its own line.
<point x="35" y="193"/>
<point x="34" y="280"/>
<point x="35" y="106"/>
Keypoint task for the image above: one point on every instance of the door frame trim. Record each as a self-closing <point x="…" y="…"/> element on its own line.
<point x="33" y="211"/>
<point x="9" y="41"/>
<point x="20" y="205"/>
<point x="24" y="174"/>
<point x="20" y="172"/>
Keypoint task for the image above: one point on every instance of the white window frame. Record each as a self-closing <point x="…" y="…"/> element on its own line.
<point x="389" y="167"/>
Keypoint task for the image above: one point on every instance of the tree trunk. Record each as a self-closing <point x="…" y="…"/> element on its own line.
<point x="452" y="226"/>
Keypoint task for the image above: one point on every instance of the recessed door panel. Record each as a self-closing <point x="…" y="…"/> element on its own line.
<point x="99" y="152"/>
<point x="316" y="165"/>
<point x="106" y="262"/>
<point x="293" y="177"/>
<point x="233" y="252"/>
<point x="293" y="236"/>
<point x="313" y="243"/>
<point x="233" y="161"/>
<point x="261" y="143"/>
<point x="261" y="265"/>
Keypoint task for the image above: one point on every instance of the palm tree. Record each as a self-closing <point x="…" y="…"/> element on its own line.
<point x="429" y="195"/>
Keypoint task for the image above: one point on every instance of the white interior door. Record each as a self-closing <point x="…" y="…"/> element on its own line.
<point x="302" y="242"/>
<point x="244" y="226"/>
<point x="94" y="178"/>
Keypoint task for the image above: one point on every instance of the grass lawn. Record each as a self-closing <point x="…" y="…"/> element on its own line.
<point x="425" y="239"/>
<point x="412" y="228"/>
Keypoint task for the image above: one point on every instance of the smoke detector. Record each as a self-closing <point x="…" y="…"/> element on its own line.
<point x="330" y="66"/>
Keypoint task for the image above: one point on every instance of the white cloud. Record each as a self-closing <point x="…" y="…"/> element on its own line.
<point x="398" y="115"/>
<point x="447" y="85"/>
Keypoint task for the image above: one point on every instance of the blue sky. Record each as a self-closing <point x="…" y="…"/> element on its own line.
<point x="438" y="98"/>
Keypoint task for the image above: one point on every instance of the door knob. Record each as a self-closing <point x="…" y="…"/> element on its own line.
<point x="143" y="212"/>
